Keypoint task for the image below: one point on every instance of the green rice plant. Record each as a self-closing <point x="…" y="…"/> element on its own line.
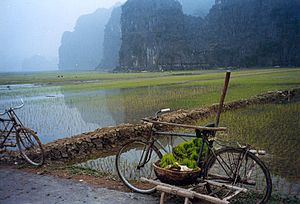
<point x="192" y="164"/>
<point x="185" y="153"/>
<point x="167" y="160"/>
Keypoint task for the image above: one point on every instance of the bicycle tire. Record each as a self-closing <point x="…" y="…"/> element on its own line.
<point x="30" y="146"/>
<point x="127" y="161"/>
<point x="257" y="191"/>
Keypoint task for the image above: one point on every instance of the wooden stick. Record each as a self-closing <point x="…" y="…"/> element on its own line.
<point x="175" y="191"/>
<point x="162" y="198"/>
<point x="195" y="194"/>
<point x="232" y="195"/>
<point x="189" y="126"/>
<point x="227" y="77"/>
<point x="226" y="185"/>
<point x="226" y="178"/>
<point x="210" y="198"/>
<point x="186" y="200"/>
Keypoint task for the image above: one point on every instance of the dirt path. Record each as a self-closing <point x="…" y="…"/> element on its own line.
<point x="17" y="186"/>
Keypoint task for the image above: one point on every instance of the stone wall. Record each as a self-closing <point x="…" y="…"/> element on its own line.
<point x="110" y="138"/>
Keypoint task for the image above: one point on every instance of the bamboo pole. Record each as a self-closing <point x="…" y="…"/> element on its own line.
<point x="187" y="201"/>
<point x="175" y="191"/>
<point x="195" y="194"/>
<point x="226" y="82"/>
<point x="162" y="198"/>
<point x="226" y="186"/>
<point x="189" y="126"/>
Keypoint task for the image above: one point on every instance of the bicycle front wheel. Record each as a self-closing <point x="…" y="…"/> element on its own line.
<point x="236" y="167"/>
<point x="134" y="161"/>
<point x="30" y="146"/>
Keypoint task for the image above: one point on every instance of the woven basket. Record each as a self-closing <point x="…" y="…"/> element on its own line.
<point x="174" y="177"/>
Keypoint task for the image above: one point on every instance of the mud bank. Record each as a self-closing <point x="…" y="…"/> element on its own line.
<point x="110" y="138"/>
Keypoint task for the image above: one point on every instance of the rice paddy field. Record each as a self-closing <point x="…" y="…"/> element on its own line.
<point x="274" y="128"/>
<point x="271" y="127"/>
<point x="61" y="104"/>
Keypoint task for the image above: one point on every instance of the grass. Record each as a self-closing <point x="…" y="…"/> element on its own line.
<point x="75" y="170"/>
<point x="71" y="76"/>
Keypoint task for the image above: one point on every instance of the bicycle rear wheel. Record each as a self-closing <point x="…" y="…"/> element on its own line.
<point x="30" y="146"/>
<point x="133" y="161"/>
<point x="233" y="166"/>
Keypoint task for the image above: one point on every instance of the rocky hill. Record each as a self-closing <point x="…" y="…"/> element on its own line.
<point x="249" y="33"/>
<point x="242" y="33"/>
<point x="82" y="49"/>
<point x="156" y="35"/>
<point x="152" y="35"/>
<point x="112" y="41"/>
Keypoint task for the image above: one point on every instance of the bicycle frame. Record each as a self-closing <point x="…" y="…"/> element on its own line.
<point x="15" y="123"/>
<point x="205" y="135"/>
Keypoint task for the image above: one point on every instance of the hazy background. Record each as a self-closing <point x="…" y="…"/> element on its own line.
<point x="33" y="28"/>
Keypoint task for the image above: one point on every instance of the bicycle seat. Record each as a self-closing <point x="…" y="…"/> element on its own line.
<point x="201" y="133"/>
<point x="210" y="125"/>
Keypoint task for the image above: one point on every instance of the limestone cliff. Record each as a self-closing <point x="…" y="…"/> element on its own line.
<point x="156" y="35"/>
<point x="249" y="33"/>
<point x="152" y="35"/>
<point x="112" y="42"/>
<point x="82" y="49"/>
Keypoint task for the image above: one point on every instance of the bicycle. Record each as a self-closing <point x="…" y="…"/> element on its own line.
<point x="238" y="169"/>
<point x="13" y="133"/>
<point x="237" y="166"/>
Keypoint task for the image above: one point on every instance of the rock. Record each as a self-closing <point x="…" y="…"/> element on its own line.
<point x="82" y="49"/>
<point x="158" y="36"/>
<point x="112" y="41"/>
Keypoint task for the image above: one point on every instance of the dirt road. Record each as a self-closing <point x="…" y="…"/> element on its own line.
<point x="17" y="186"/>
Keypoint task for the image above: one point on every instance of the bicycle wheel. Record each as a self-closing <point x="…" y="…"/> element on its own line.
<point x="232" y="166"/>
<point x="133" y="162"/>
<point x="30" y="146"/>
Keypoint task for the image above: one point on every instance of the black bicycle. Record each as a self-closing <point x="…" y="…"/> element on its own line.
<point x="13" y="133"/>
<point x="228" y="166"/>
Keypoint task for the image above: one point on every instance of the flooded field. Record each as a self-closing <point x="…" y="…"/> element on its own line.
<point x="55" y="113"/>
<point x="83" y="101"/>
<point x="273" y="127"/>
<point x="79" y="102"/>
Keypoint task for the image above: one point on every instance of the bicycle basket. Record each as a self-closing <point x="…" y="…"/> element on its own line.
<point x="174" y="177"/>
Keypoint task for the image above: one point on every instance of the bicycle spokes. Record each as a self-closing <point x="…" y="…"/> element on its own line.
<point x="241" y="169"/>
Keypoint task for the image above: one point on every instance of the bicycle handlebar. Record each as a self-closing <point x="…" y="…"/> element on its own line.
<point x="13" y="108"/>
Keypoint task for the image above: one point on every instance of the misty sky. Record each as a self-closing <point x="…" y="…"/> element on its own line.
<point x="35" y="27"/>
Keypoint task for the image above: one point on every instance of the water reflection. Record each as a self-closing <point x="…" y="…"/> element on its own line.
<point x="56" y="114"/>
<point x="107" y="164"/>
